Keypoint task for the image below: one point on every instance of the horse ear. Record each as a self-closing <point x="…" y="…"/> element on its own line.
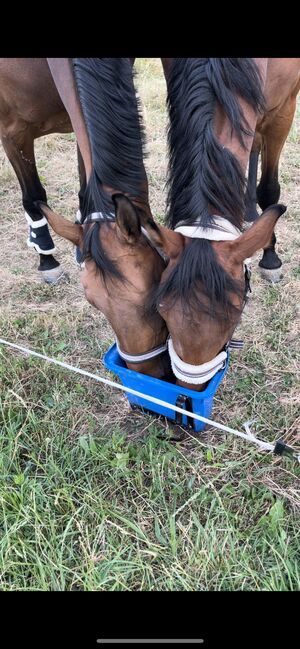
<point x="64" y="228"/>
<point x="257" y="236"/>
<point x="172" y="243"/>
<point x="127" y="218"/>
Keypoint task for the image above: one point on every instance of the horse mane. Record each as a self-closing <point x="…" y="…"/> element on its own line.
<point x="198" y="268"/>
<point x="116" y="134"/>
<point x="202" y="174"/>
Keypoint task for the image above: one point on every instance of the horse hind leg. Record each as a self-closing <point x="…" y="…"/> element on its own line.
<point x="268" y="190"/>
<point x="20" y="152"/>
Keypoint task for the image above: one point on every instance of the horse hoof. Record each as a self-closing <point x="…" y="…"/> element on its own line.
<point x="273" y="275"/>
<point x="54" y="276"/>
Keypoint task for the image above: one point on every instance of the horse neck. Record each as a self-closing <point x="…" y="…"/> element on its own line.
<point x="213" y="105"/>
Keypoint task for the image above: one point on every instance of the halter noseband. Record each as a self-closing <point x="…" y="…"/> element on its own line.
<point x="222" y="230"/>
<point x="141" y="358"/>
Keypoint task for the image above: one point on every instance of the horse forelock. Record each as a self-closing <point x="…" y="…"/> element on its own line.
<point x="93" y="249"/>
<point x="201" y="285"/>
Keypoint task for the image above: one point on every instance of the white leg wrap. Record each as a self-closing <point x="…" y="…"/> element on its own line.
<point x="35" y="224"/>
<point x="36" y="247"/>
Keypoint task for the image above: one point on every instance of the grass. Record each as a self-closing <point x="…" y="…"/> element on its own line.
<point x="96" y="511"/>
<point x="91" y="496"/>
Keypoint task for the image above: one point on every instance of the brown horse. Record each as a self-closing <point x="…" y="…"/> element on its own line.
<point x="121" y="266"/>
<point x="30" y="107"/>
<point x="281" y="86"/>
<point x="272" y="128"/>
<point x="179" y="289"/>
<point x="215" y="105"/>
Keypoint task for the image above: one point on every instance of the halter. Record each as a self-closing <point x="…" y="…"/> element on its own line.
<point x="155" y="351"/>
<point x="94" y="216"/>
<point x="222" y="230"/>
<point x="140" y="358"/>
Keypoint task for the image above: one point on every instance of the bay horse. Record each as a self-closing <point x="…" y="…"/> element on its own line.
<point x="272" y="128"/>
<point x="31" y="107"/>
<point x="121" y="265"/>
<point x="281" y="87"/>
<point x="214" y="105"/>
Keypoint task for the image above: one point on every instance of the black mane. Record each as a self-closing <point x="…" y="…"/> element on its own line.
<point x="116" y="135"/>
<point x="202" y="174"/>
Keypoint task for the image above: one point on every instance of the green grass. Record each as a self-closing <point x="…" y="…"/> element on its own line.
<point x="94" y="496"/>
<point x="98" y="510"/>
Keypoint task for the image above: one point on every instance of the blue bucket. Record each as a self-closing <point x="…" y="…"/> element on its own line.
<point x="200" y="403"/>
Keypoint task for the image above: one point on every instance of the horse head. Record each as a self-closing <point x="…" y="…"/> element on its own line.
<point x="121" y="267"/>
<point x="202" y="293"/>
<point x="213" y="107"/>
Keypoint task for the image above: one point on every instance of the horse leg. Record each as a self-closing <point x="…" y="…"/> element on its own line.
<point x="268" y="190"/>
<point x="21" y="156"/>
<point x="251" y="200"/>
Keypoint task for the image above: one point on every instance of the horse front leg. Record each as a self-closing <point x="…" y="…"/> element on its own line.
<point x="268" y="190"/>
<point x="20" y="152"/>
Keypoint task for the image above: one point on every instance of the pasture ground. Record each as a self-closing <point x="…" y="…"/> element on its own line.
<point x="90" y="497"/>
